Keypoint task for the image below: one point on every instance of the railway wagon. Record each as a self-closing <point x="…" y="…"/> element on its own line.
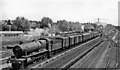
<point x="56" y="45"/>
<point x="86" y="36"/>
<point x="95" y="34"/>
<point x="92" y="34"/>
<point x="80" y="38"/>
<point x="71" y="38"/>
<point x="76" y="37"/>
<point x="65" y="42"/>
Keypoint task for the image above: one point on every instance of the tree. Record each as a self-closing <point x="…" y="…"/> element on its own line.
<point x="43" y="25"/>
<point x="45" y="21"/>
<point x="22" y="24"/>
<point x="13" y="27"/>
<point x="8" y="22"/>
<point x="63" y="25"/>
<point x="4" y="27"/>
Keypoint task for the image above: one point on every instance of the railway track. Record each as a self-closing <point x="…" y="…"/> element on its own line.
<point x="3" y="60"/>
<point x="4" y="56"/>
<point x="90" y="60"/>
<point x="118" y="50"/>
<point x="112" y="57"/>
<point x="62" y="60"/>
<point x="6" y="53"/>
<point x="111" y="62"/>
<point x="3" y="63"/>
<point x="118" y="56"/>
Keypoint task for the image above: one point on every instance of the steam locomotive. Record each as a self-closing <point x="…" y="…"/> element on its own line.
<point x="27" y="53"/>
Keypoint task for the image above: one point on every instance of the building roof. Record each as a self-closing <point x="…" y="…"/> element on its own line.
<point x="88" y="26"/>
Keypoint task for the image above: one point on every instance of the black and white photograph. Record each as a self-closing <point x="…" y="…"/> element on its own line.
<point x="59" y="34"/>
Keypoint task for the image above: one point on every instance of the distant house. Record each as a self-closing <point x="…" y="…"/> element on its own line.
<point x="88" y="27"/>
<point x="10" y="37"/>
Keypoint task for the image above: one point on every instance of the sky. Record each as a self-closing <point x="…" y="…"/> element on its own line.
<point x="70" y="10"/>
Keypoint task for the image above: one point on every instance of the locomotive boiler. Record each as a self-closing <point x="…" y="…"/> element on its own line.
<point x="27" y="48"/>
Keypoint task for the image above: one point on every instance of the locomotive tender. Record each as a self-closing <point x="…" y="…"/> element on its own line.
<point x="27" y="53"/>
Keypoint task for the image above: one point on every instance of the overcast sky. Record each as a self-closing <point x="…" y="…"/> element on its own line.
<point x="71" y="10"/>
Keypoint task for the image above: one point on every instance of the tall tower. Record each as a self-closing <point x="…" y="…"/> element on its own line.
<point x="119" y="13"/>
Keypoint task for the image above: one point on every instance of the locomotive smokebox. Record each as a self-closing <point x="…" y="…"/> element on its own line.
<point x="27" y="48"/>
